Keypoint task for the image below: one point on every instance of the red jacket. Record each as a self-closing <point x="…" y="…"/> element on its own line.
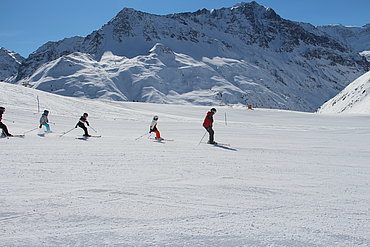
<point x="208" y="121"/>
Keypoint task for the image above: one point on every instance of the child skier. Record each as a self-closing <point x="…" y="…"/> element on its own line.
<point x="81" y="124"/>
<point x="3" y="127"/>
<point x="153" y="128"/>
<point x="44" y="121"/>
<point x="207" y="124"/>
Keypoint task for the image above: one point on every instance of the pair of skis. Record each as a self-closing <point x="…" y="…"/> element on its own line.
<point x="66" y="132"/>
<point x="20" y="136"/>
<point x="151" y="138"/>
<point x="215" y="144"/>
<point x="161" y="139"/>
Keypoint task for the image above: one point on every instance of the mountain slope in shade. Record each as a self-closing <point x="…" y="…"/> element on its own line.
<point x="357" y="38"/>
<point x="355" y="98"/>
<point x="9" y="64"/>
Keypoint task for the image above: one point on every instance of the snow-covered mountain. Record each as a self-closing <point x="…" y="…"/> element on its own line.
<point x="357" y="38"/>
<point x="355" y="98"/>
<point x="9" y="64"/>
<point x="246" y="54"/>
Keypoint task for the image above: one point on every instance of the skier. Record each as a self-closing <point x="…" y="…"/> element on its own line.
<point x="81" y="124"/>
<point x="45" y="121"/>
<point x="4" y="131"/>
<point x="207" y="124"/>
<point x="153" y="128"/>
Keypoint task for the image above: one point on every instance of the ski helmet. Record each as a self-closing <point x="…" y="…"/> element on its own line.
<point x="85" y="114"/>
<point x="155" y="117"/>
<point x="213" y="110"/>
<point x="46" y="112"/>
<point x="2" y="109"/>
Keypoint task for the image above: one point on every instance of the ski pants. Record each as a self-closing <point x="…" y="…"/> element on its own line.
<point x="157" y="133"/>
<point x="4" y="129"/>
<point x="211" y="134"/>
<point x="81" y="125"/>
<point x="47" y="126"/>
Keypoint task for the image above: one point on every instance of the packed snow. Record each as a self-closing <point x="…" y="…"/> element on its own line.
<point x="286" y="179"/>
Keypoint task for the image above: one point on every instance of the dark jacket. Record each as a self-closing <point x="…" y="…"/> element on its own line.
<point x="1" y="115"/>
<point x="82" y="121"/>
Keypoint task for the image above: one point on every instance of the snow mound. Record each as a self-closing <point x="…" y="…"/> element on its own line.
<point x="355" y="98"/>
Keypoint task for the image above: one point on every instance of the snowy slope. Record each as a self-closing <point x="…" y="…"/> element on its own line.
<point x="9" y="65"/>
<point x="246" y="54"/>
<point x="287" y="179"/>
<point x="163" y="76"/>
<point x="353" y="99"/>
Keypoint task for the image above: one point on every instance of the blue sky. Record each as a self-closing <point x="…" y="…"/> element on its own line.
<point x="25" y="25"/>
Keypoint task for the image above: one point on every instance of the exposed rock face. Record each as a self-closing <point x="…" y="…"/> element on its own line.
<point x="9" y="64"/>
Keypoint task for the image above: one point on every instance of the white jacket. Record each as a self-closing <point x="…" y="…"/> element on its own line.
<point x="153" y="124"/>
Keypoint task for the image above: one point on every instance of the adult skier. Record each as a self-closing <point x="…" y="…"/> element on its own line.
<point x="81" y="124"/>
<point x="44" y="121"/>
<point x="208" y="123"/>
<point x="3" y="127"/>
<point x="153" y="128"/>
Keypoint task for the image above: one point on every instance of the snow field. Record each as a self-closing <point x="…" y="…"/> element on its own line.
<point x="287" y="178"/>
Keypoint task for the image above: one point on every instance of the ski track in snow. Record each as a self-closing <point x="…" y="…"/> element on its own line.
<point x="287" y="178"/>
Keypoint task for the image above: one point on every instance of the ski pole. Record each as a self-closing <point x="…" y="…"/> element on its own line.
<point x="202" y="138"/>
<point x="4" y="134"/>
<point x="141" y="136"/>
<point x="30" y="130"/>
<point x="93" y="129"/>
<point x="8" y="120"/>
<point x="67" y="132"/>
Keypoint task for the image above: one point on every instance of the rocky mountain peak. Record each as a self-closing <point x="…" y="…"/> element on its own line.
<point x="10" y="62"/>
<point x="255" y="8"/>
<point x="11" y="55"/>
<point x="127" y="15"/>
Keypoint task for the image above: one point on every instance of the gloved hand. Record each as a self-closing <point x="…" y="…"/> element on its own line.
<point x="150" y="131"/>
<point x="76" y="126"/>
<point x="40" y="126"/>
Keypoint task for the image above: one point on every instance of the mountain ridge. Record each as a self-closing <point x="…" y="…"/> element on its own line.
<point x="10" y="62"/>
<point x="244" y="52"/>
